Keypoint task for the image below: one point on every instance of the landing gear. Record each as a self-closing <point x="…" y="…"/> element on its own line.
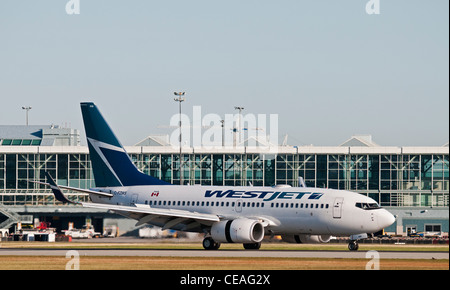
<point x="252" y="246"/>
<point x="210" y="244"/>
<point x="353" y="246"/>
<point x="353" y="243"/>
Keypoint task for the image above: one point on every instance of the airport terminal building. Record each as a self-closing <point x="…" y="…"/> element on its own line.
<point x="411" y="182"/>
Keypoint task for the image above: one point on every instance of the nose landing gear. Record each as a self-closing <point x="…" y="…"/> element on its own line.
<point x="353" y="246"/>
<point x="353" y="243"/>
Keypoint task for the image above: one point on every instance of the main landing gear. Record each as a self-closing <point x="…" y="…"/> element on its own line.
<point x="210" y="244"/>
<point x="252" y="246"/>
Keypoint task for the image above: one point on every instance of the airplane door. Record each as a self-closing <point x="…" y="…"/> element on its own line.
<point x="238" y="206"/>
<point x="337" y="207"/>
<point x="134" y="199"/>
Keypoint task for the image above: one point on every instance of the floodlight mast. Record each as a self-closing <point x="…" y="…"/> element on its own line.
<point x="180" y="99"/>
<point x="239" y="125"/>
<point x="27" y="108"/>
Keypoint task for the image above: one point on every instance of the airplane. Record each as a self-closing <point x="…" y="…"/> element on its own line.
<point x="224" y="214"/>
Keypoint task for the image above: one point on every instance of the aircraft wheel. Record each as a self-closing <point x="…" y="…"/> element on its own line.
<point x="353" y="246"/>
<point x="210" y="244"/>
<point x="252" y="246"/>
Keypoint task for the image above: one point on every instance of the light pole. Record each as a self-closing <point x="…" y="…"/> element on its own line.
<point x="180" y="99"/>
<point x="239" y="123"/>
<point x="223" y="132"/>
<point x="27" y="109"/>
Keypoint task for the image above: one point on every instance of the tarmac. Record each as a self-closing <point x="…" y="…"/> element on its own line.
<point x="222" y="253"/>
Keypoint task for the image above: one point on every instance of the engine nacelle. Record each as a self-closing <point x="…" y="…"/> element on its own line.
<point x="306" y="239"/>
<point x="238" y="231"/>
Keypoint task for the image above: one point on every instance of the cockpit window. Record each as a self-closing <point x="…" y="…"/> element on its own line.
<point x="367" y="206"/>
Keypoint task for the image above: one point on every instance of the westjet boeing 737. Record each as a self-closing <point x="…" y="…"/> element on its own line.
<point x="225" y="214"/>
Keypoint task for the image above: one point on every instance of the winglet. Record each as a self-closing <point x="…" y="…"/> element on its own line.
<point x="56" y="190"/>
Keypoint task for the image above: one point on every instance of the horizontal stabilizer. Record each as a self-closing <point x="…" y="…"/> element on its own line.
<point x="60" y="196"/>
<point x="56" y="190"/>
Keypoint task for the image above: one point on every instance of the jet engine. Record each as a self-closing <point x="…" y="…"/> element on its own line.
<point x="240" y="230"/>
<point x="306" y="239"/>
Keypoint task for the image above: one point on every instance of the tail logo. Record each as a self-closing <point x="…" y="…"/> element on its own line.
<point x="97" y="145"/>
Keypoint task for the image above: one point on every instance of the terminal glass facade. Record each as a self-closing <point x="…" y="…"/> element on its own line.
<point x="398" y="180"/>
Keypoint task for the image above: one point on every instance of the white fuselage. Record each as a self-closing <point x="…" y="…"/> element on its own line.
<point x="285" y="209"/>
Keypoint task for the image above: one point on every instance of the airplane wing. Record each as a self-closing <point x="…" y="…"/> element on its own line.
<point x="166" y="218"/>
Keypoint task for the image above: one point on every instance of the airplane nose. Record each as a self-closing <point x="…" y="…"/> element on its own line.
<point x="385" y="219"/>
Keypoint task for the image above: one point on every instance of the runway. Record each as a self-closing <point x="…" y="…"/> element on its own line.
<point x="224" y="253"/>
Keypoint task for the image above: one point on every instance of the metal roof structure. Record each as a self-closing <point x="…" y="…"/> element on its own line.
<point x="38" y="135"/>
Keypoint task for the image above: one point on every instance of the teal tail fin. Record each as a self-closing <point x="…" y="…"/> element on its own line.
<point x="110" y="162"/>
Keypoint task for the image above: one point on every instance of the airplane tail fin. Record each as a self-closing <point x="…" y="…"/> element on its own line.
<point x="110" y="162"/>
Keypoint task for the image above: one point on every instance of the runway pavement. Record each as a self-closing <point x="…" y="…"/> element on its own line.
<point x="223" y="253"/>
